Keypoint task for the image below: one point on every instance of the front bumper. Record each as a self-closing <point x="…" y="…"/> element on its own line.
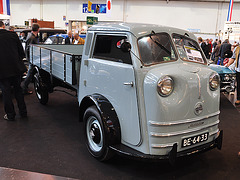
<point x="173" y="154"/>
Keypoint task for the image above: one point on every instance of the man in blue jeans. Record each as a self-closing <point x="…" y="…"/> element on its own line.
<point x="32" y="39"/>
<point x="11" y="70"/>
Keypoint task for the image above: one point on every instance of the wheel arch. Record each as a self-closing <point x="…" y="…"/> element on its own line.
<point x="108" y="115"/>
<point x="44" y="76"/>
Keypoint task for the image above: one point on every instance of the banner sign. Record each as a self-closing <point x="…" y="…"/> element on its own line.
<point x="95" y="8"/>
<point x="232" y="26"/>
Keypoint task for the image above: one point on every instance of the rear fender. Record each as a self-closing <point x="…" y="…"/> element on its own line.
<point x="44" y="77"/>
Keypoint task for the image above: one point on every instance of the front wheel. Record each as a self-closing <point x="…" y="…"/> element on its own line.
<point x="95" y="135"/>
<point x="40" y="90"/>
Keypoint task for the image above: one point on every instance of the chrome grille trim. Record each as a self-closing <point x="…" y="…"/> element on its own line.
<point x="155" y="123"/>
<point x="214" y="132"/>
<point x="169" y="145"/>
<point x="163" y="145"/>
<point x="199" y="86"/>
<point x="184" y="132"/>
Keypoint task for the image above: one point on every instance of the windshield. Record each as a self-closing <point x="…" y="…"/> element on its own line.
<point x="188" y="49"/>
<point x="156" y="48"/>
<point x="54" y="40"/>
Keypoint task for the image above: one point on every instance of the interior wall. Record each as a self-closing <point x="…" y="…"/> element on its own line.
<point x="23" y="10"/>
<point x="209" y="17"/>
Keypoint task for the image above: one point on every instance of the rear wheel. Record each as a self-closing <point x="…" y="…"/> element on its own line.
<point x="95" y="134"/>
<point x="40" y="89"/>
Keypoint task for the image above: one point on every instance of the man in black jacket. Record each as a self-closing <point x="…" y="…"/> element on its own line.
<point x="225" y="48"/>
<point x="69" y="39"/>
<point x="11" y="70"/>
<point x="32" y="39"/>
<point x="203" y="45"/>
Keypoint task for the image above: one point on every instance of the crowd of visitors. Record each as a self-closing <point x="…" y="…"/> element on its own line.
<point x="217" y="52"/>
<point x="74" y="38"/>
<point x="12" y="66"/>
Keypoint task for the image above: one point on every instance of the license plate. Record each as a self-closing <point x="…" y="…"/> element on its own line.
<point x="194" y="140"/>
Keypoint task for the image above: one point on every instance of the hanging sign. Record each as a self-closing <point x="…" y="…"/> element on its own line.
<point x="109" y="7"/>
<point x="92" y="20"/>
<point x="95" y="8"/>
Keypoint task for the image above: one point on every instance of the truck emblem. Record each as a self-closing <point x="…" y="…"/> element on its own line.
<point x="198" y="109"/>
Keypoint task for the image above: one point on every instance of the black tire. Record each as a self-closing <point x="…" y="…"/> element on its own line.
<point x="40" y="89"/>
<point x="95" y="135"/>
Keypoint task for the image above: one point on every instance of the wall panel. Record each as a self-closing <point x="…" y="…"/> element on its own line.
<point x="209" y="17"/>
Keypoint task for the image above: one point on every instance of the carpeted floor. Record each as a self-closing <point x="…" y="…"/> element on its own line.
<point x="51" y="141"/>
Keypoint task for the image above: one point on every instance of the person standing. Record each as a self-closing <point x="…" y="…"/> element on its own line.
<point x="11" y="28"/>
<point x="225" y="47"/>
<point x="11" y="70"/>
<point x="32" y="39"/>
<point x="209" y="48"/>
<point x="69" y="39"/>
<point x="203" y="45"/>
<point x="216" y="51"/>
<point x="215" y="43"/>
<point x="235" y="58"/>
<point x="78" y="39"/>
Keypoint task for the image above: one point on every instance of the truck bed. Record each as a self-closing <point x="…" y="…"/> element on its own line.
<point x="60" y="61"/>
<point x="63" y="48"/>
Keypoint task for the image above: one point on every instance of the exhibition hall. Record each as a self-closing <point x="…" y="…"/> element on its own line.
<point x="119" y="89"/>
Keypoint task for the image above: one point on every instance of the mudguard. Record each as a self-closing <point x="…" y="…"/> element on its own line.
<point x="108" y="115"/>
<point x="44" y="77"/>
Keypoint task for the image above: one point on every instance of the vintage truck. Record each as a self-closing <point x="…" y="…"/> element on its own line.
<point x="143" y="90"/>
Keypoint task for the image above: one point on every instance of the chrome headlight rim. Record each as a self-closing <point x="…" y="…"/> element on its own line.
<point x="233" y="77"/>
<point x="227" y="77"/>
<point x="165" y="86"/>
<point x="214" y="81"/>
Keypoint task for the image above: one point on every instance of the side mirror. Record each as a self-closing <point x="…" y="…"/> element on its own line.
<point x="126" y="46"/>
<point x="228" y="54"/>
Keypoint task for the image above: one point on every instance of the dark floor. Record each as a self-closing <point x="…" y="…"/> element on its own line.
<point x="14" y="174"/>
<point x="232" y="97"/>
<point x="51" y="141"/>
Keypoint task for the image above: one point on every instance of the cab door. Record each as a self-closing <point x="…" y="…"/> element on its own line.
<point x="109" y="71"/>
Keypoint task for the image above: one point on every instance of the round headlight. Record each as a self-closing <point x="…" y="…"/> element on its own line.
<point x="214" y="81"/>
<point x="233" y="77"/>
<point x="165" y="86"/>
<point x="226" y="77"/>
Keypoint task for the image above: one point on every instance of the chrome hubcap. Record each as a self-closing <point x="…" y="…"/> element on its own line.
<point x="94" y="134"/>
<point x="37" y="90"/>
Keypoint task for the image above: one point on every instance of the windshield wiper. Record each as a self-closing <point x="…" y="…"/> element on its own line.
<point x="194" y="46"/>
<point x="160" y="45"/>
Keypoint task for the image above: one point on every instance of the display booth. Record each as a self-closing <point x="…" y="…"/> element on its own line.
<point x="232" y="31"/>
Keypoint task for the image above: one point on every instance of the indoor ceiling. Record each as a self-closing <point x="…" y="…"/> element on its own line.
<point x="226" y="1"/>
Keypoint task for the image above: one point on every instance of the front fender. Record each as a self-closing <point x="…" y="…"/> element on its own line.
<point x="108" y="115"/>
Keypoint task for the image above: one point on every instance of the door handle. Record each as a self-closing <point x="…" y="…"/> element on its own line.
<point x="128" y="84"/>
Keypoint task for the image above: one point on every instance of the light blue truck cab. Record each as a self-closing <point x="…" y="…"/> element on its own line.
<point x="143" y="90"/>
<point x="227" y="77"/>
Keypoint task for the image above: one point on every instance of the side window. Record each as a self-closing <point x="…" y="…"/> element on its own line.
<point x="107" y="47"/>
<point x="54" y="40"/>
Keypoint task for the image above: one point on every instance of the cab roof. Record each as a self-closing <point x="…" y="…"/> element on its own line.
<point x="138" y="29"/>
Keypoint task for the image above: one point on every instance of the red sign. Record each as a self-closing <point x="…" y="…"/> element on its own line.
<point x="109" y="5"/>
